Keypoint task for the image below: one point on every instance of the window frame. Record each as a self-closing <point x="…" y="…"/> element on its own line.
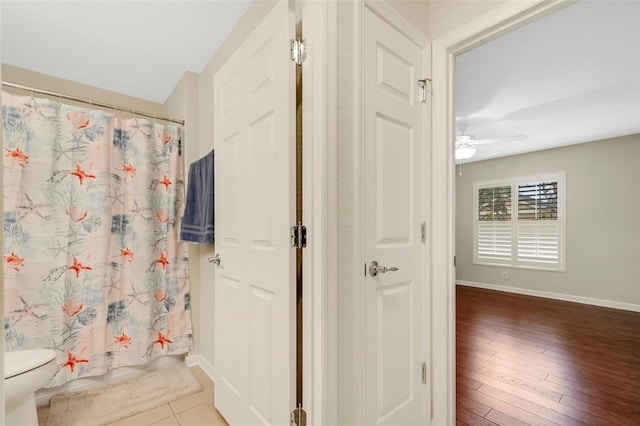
<point x="513" y="261"/>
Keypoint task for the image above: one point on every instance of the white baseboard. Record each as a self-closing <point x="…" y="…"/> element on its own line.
<point x="557" y="296"/>
<point x="202" y="362"/>
<point x="119" y="374"/>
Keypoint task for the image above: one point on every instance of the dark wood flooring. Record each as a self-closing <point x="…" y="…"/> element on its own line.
<point x="525" y="360"/>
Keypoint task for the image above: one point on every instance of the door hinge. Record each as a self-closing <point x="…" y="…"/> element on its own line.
<point x="454" y="261"/>
<point x="298" y="51"/>
<point x="299" y="417"/>
<point x="424" y="372"/>
<point x="298" y="236"/>
<point x="423" y="89"/>
<point x="423" y="232"/>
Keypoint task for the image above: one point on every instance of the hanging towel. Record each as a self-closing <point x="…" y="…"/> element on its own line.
<point x="197" y="223"/>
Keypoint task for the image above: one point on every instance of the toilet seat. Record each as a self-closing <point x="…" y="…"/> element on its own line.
<point x="19" y="362"/>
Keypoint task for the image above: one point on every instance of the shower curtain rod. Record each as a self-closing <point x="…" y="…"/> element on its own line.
<point x="89" y="101"/>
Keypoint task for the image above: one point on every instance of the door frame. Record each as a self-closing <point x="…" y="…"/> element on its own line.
<point x="504" y="18"/>
<point x="320" y="206"/>
<point x="387" y="13"/>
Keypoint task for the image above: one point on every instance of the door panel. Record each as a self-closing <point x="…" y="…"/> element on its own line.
<point x="395" y="355"/>
<point x="394" y="197"/>
<point x="254" y="115"/>
<point x="394" y="392"/>
<point x="227" y="150"/>
<point x="260" y="162"/>
<point x="394" y="73"/>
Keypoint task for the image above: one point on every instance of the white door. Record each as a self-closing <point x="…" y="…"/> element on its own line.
<point x="393" y="328"/>
<point x="254" y="141"/>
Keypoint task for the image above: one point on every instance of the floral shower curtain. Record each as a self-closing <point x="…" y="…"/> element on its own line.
<point x="93" y="265"/>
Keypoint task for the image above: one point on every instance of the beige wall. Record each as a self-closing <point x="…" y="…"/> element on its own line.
<point x="416" y="12"/>
<point x="602" y="220"/>
<point x="447" y="15"/>
<point x="346" y="216"/>
<point x="57" y="85"/>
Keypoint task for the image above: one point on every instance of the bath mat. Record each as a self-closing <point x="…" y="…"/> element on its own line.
<point x="109" y="403"/>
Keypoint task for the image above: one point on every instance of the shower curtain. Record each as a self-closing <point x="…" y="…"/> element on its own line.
<point x="92" y="261"/>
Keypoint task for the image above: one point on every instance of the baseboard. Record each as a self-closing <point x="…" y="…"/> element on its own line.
<point x="201" y="362"/>
<point x="117" y="375"/>
<point x="558" y="296"/>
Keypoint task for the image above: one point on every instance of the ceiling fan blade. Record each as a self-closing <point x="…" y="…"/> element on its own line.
<point x="487" y="151"/>
<point x="463" y="140"/>
<point x="513" y="138"/>
<point x="466" y="151"/>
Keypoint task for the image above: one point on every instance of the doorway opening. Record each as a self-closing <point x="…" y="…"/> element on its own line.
<point x="500" y="259"/>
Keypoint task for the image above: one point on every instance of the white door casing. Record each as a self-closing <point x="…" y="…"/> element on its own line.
<point x="254" y="142"/>
<point x="319" y="111"/>
<point x="393" y="158"/>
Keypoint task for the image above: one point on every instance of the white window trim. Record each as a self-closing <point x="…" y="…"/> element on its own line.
<point x="513" y="182"/>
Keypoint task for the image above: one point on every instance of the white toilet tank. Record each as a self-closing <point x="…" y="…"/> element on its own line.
<point x="18" y="362"/>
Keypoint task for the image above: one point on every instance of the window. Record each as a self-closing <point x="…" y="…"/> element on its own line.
<point x="519" y="222"/>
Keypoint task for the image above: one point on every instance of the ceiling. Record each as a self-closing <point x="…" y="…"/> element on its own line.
<point x="137" y="48"/>
<point x="568" y="78"/>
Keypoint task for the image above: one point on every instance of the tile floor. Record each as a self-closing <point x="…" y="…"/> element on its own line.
<point x="192" y="410"/>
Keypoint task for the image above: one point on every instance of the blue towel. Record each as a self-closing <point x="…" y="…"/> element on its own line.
<point x="197" y="222"/>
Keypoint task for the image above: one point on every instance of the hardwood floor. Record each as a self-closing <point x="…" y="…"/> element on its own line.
<point x="525" y="360"/>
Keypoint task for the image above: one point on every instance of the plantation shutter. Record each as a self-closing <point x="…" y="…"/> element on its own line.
<point x="494" y="226"/>
<point x="538" y="236"/>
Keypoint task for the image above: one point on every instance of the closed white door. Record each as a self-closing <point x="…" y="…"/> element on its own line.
<point x="393" y="328"/>
<point x="254" y="305"/>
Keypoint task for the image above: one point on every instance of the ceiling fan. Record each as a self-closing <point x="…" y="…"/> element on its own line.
<point x="466" y="145"/>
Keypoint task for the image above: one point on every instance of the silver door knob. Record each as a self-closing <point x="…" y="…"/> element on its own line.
<point x="375" y="269"/>
<point x="215" y="259"/>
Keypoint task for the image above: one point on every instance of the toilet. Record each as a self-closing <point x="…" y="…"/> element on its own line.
<point x="24" y="373"/>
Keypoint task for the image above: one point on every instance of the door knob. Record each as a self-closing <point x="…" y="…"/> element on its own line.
<point x="215" y="259"/>
<point x="375" y="269"/>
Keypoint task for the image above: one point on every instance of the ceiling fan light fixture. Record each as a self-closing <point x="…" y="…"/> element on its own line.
<point x="465" y="152"/>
